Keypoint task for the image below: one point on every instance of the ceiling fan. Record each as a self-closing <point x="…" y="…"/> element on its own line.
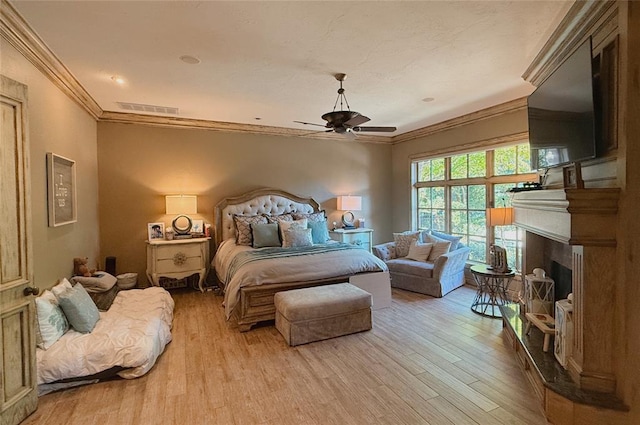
<point x="348" y="121"/>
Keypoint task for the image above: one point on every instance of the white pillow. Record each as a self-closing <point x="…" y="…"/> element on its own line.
<point x="439" y="248"/>
<point x="297" y="237"/>
<point x="403" y="241"/>
<point x="419" y="251"/>
<point x="286" y="225"/>
<point x="52" y="323"/>
<point x="61" y="287"/>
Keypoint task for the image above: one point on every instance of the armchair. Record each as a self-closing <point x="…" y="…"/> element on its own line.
<point x="436" y="278"/>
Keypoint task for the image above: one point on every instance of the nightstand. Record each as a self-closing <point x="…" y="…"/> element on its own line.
<point x="178" y="259"/>
<point x="362" y="237"/>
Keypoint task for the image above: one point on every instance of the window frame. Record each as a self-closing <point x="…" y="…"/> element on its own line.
<point x="489" y="181"/>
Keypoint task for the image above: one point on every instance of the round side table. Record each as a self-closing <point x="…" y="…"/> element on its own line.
<point x="492" y="286"/>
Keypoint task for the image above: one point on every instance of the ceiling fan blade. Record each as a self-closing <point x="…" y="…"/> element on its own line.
<point x="310" y="123"/>
<point x="357" y="120"/>
<point x="376" y="129"/>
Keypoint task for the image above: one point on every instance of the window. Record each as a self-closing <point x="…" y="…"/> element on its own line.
<point x="453" y="192"/>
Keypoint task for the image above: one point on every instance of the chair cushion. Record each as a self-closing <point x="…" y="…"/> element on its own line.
<point x="410" y="267"/>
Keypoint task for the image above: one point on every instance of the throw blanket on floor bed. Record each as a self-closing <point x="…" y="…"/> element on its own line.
<point x="240" y="266"/>
<point x="131" y="335"/>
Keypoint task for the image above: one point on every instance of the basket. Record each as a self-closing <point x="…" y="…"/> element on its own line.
<point x="127" y="280"/>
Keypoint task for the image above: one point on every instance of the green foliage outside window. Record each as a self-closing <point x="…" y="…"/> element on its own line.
<point x="461" y="209"/>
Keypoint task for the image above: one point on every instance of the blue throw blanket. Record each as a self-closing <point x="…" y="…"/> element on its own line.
<point x="246" y="257"/>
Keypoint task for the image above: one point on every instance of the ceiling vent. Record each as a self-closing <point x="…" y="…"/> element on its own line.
<point x="138" y="107"/>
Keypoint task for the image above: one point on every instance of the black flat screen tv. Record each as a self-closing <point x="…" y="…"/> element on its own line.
<point x="561" y="113"/>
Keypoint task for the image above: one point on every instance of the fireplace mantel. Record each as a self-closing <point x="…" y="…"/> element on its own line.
<point x="586" y="220"/>
<point x="572" y="216"/>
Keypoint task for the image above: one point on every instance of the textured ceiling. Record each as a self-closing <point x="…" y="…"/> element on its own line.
<point x="275" y="60"/>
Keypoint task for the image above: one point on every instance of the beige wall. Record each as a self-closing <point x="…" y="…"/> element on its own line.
<point x="57" y="124"/>
<point x="479" y="131"/>
<point x="139" y="164"/>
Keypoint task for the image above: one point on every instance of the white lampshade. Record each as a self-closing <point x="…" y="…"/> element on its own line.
<point x="502" y="216"/>
<point x="350" y="203"/>
<point x="181" y="204"/>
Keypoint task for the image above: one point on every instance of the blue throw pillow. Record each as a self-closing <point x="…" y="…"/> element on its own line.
<point x="455" y="240"/>
<point x="79" y="308"/>
<point x="319" y="231"/>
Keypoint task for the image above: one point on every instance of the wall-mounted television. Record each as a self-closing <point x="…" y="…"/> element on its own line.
<point x="562" y="113"/>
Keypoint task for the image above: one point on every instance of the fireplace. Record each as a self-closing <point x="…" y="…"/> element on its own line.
<point x="561" y="275"/>
<point x="571" y="233"/>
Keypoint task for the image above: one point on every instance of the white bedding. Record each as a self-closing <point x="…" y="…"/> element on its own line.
<point x="131" y="334"/>
<point x="291" y="269"/>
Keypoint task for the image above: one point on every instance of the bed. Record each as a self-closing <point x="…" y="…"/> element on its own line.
<point x="126" y="341"/>
<point x="249" y="287"/>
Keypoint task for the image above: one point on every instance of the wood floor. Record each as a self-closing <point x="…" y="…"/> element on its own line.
<point x="426" y="361"/>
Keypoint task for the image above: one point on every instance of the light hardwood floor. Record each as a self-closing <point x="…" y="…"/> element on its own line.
<point x="426" y="361"/>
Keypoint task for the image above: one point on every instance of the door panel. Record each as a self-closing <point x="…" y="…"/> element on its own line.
<point x="18" y="391"/>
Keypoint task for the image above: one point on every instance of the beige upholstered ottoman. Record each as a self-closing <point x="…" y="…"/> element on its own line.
<point x="322" y="312"/>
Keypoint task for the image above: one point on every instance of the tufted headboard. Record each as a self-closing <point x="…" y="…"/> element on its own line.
<point x="260" y="201"/>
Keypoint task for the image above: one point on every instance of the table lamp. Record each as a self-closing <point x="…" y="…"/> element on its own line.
<point x="181" y="205"/>
<point x="349" y="204"/>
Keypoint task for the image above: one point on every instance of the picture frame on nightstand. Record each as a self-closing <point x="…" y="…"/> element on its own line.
<point x="155" y="231"/>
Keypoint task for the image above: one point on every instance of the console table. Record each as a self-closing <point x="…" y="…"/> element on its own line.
<point x="492" y="286"/>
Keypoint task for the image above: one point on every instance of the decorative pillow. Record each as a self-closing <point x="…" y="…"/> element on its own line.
<point x="52" y="323"/>
<point x="265" y="235"/>
<point x="419" y="251"/>
<point x="455" y="240"/>
<point x="439" y="248"/>
<point x="99" y="282"/>
<point x="61" y="287"/>
<point x="79" y="308"/>
<point x="286" y="225"/>
<point x="296" y="236"/>
<point x="243" y="227"/>
<point x="403" y="241"/>
<point x="103" y="300"/>
<point x="316" y="216"/>
<point x="319" y="231"/>
<point x="279" y="218"/>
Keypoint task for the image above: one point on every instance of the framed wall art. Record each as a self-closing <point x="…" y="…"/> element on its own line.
<point x="61" y="190"/>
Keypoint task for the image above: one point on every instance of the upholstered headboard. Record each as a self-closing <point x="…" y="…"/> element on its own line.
<point x="261" y="201"/>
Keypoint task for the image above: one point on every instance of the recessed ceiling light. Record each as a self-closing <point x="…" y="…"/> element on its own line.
<point x="428" y="99"/>
<point x="118" y="79"/>
<point x="191" y="60"/>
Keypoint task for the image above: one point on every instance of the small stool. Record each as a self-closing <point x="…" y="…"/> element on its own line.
<point x="545" y="323"/>
<point x="321" y="312"/>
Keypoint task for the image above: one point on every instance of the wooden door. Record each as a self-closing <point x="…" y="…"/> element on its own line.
<point x="18" y="391"/>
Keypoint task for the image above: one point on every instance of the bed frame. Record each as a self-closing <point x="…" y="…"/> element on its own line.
<point x="256" y="302"/>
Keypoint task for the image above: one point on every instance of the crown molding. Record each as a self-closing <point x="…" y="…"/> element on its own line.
<point x="229" y="127"/>
<point x="573" y="29"/>
<point x="483" y="114"/>
<point x="19" y="34"/>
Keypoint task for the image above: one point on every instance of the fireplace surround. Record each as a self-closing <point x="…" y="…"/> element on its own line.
<point x="585" y="220"/>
